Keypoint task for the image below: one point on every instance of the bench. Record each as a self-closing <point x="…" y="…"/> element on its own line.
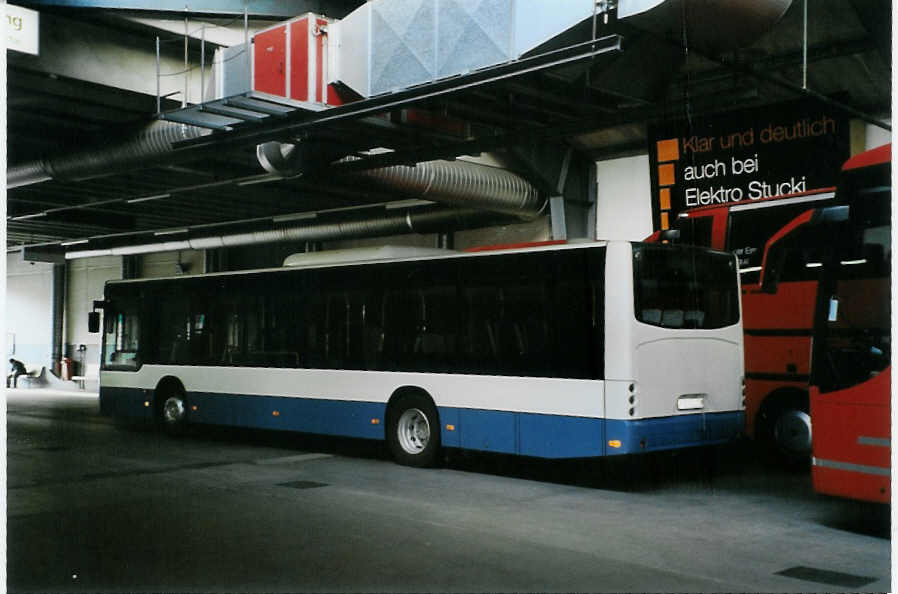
<point x="91" y="372"/>
<point x="35" y="375"/>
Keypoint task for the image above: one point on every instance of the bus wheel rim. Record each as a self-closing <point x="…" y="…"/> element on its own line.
<point x="173" y="410"/>
<point x="413" y="431"/>
<point x="793" y="432"/>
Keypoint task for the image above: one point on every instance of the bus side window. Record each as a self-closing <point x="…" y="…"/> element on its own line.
<point x="508" y="325"/>
<point x="420" y="328"/>
<point x="174" y="328"/>
<point x="749" y="231"/>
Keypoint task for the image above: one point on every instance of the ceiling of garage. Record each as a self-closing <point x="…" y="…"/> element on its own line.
<point x="599" y="102"/>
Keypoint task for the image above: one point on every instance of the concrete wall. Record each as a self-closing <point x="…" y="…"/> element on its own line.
<point x="875" y="136"/>
<point x="85" y="281"/>
<point x="104" y="55"/>
<point x="29" y="287"/>
<point x="537" y="230"/>
<point x="166" y="264"/>
<point x="624" y="209"/>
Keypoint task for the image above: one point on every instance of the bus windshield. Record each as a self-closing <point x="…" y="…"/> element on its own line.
<point x="121" y="338"/>
<point x="686" y="288"/>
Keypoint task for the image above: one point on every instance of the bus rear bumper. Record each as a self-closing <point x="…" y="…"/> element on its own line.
<point x="854" y="481"/>
<point x="666" y="433"/>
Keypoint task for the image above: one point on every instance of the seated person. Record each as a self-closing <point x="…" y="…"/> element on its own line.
<point x="17" y="368"/>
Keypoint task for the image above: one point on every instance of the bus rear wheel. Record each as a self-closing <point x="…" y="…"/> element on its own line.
<point x="413" y="431"/>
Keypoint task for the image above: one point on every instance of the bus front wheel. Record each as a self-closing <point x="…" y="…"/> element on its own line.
<point x="172" y="412"/>
<point x="786" y="429"/>
<point x="413" y="431"/>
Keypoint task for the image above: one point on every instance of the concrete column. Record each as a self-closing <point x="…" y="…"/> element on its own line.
<point x="57" y="300"/>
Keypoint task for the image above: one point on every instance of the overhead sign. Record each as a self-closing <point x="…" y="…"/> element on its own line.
<point x="22" y="29"/>
<point x="744" y="156"/>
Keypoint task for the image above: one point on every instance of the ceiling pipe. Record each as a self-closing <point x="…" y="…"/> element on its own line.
<point x="707" y="25"/>
<point x="715" y="24"/>
<point x="399" y="222"/>
<point x="149" y="146"/>
<point x="460" y="183"/>
<point x="456" y="183"/>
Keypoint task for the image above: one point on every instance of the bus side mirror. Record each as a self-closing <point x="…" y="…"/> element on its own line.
<point x="93" y="322"/>
<point x="670" y="235"/>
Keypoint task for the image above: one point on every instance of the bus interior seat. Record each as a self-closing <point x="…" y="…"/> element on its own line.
<point x="651" y="316"/>
<point x="672" y="318"/>
<point x="694" y="318"/>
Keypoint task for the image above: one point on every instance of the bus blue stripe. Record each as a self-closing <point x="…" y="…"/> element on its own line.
<point x="528" y="434"/>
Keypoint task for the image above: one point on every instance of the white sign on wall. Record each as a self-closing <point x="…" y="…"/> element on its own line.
<point x="22" y="27"/>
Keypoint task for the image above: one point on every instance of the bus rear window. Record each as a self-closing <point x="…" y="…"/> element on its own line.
<point x="685" y="287"/>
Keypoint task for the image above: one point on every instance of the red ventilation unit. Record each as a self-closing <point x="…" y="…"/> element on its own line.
<point x="290" y="60"/>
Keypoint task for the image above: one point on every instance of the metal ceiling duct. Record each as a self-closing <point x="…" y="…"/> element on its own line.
<point x="398" y="222"/>
<point x="149" y="145"/>
<point x="457" y="183"/>
<point x="461" y="183"/>
<point x="718" y="24"/>
<point x="709" y="25"/>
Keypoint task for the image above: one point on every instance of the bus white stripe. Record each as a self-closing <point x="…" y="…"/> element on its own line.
<point x="877" y="470"/>
<point x="883" y="442"/>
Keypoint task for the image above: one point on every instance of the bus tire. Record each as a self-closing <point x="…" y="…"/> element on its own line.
<point x="171" y="414"/>
<point x="413" y="430"/>
<point x="785" y="429"/>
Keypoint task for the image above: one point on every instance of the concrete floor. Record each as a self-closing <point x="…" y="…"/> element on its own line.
<point x="94" y="506"/>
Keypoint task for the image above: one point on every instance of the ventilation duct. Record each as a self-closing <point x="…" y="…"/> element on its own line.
<point x="400" y="222"/>
<point x="147" y="147"/>
<point x="709" y="25"/>
<point x="410" y="42"/>
<point x="461" y="183"/>
<point x="390" y="44"/>
<point x="456" y="183"/>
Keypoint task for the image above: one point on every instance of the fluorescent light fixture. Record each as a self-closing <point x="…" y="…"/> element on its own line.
<point x="170" y="231"/>
<point x="853" y="262"/>
<point x="75" y="242"/>
<point x="299" y="216"/>
<point x="406" y="203"/>
<point x="261" y="179"/>
<point x="682" y="215"/>
<point x="147" y="198"/>
<point x="36" y="215"/>
<point x="814" y="265"/>
<point x="749" y="269"/>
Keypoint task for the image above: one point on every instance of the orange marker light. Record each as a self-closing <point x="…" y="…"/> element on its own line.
<point x="450" y="427"/>
<point x="275" y="413"/>
<point x="375" y="421"/>
<point x="614" y="443"/>
<point x="193" y="407"/>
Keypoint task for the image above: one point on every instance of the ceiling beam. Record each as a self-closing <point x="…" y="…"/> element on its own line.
<point x="278" y="9"/>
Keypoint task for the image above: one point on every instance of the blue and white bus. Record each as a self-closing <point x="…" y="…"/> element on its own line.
<point x="568" y="351"/>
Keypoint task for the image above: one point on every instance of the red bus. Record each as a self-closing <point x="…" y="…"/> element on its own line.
<point x="851" y="371"/>
<point x="778" y="319"/>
